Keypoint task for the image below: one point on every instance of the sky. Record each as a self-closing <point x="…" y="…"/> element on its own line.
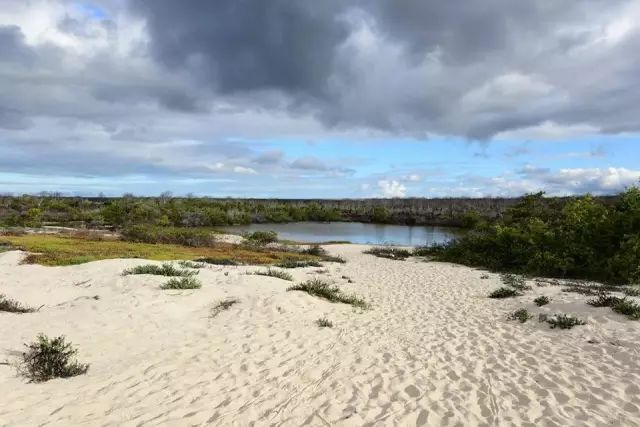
<point x="319" y="99"/>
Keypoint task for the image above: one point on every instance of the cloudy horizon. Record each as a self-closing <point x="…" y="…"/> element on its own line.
<point x="310" y="99"/>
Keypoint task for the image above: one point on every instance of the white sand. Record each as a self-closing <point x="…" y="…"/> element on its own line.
<point x="433" y="350"/>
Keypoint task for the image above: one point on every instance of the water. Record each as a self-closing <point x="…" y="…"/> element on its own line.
<point x="354" y="232"/>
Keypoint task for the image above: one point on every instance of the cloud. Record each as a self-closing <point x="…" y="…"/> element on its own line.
<point x="309" y="163"/>
<point x="244" y="170"/>
<point x="392" y="188"/>
<point x="269" y="157"/>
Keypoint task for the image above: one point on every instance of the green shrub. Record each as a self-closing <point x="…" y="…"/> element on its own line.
<point x="562" y="321"/>
<point x="191" y="264"/>
<point x="324" y="323"/>
<point x="47" y="358"/>
<point x="13" y="306"/>
<point x="504" y="293"/>
<point x="315" y="250"/>
<point x="628" y="308"/>
<point x="521" y="315"/>
<point x="542" y="300"/>
<point x="275" y="273"/>
<point x="261" y="238"/>
<point x="632" y="291"/>
<point x="515" y="281"/>
<point x="389" y="252"/>
<point x="160" y="270"/>
<point x="182" y="283"/>
<point x="604" y="300"/>
<point x="321" y="289"/>
<point x="296" y="263"/>
<point x="169" y="235"/>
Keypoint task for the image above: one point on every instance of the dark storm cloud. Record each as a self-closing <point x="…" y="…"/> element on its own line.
<point x="423" y="67"/>
<point x="12" y="45"/>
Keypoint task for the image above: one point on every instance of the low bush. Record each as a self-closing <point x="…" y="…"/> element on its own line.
<point x="191" y="264"/>
<point x="521" y="315"/>
<point x="260" y="238"/>
<point x="562" y="321"/>
<point x="218" y="261"/>
<point x="297" y="263"/>
<point x="279" y="274"/>
<point x="604" y="300"/>
<point x="182" y="283"/>
<point x="504" y="293"/>
<point x="13" y="306"/>
<point x="388" y="252"/>
<point x="628" y="308"/>
<point x="324" y="323"/>
<point x="632" y="291"/>
<point x="315" y="250"/>
<point x="169" y="235"/>
<point x="321" y="289"/>
<point x="160" y="270"/>
<point x="48" y="358"/>
<point x="542" y="300"/>
<point x="222" y="306"/>
<point x="516" y="282"/>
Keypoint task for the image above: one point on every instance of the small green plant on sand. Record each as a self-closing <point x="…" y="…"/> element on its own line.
<point x="49" y="358"/>
<point x="389" y="252"/>
<point x="260" y="238"/>
<point x="632" y="291"/>
<point x="191" y="264"/>
<point x="516" y="282"/>
<point x="182" y="283"/>
<point x="321" y="289"/>
<point x="324" y="323"/>
<point x="628" y="308"/>
<point x="563" y="321"/>
<point x="272" y="272"/>
<point x="604" y="300"/>
<point x="165" y="269"/>
<point x="13" y="306"/>
<point x="521" y="315"/>
<point x="218" y="261"/>
<point x="542" y="300"/>
<point x="296" y="263"/>
<point x="222" y="306"/>
<point x="504" y="293"/>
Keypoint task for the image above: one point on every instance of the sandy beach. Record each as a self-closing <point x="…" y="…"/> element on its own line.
<point x="432" y="350"/>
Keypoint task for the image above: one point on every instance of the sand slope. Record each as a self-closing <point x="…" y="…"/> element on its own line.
<point x="433" y="350"/>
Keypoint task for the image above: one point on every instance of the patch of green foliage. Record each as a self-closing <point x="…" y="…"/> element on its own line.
<point x="503" y="292"/>
<point x="604" y="300"/>
<point x="272" y="272"/>
<point x="182" y="283"/>
<point x="322" y="289"/>
<point x="192" y="237"/>
<point x="521" y="315"/>
<point x="165" y="269"/>
<point x="324" y="323"/>
<point x="389" y="252"/>
<point x="628" y="308"/>
<point x="49" y="358"/>
<point x="632" y="291"/>
<point x="563" y="321"/>
<point x="13" y="306"/>
<point x="218" y="261"/>
<point x="514" y="281"/>
<point x="297" y="263"/>
<point x="542" y="300"/>
<point x="191" y="264"/>
<point x="581" y="238"/>
<point x="260" y="238"/>
<point x="320" y="252"/>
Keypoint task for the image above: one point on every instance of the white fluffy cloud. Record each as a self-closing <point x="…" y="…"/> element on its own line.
<point x="392" y="188"/>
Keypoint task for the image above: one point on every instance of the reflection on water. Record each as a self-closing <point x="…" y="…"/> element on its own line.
<point x="355" y="232"/>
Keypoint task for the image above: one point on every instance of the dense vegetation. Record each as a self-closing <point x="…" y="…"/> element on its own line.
<point x="167" y="211"/>
<point x="585" y="238"/>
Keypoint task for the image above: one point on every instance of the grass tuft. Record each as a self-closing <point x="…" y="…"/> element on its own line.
<point x="542" y="300"/>
<point x="218" y="261"/>
<point x="222" y="306"/>
<point x="182" y="283"/>
<point x="324" y="323"/>
<point x="275" y="273"/>
<point x="562" y="321"/>
<point x="191" y="264"/>
<point x="332" y="293"/>
<point x="628" y="308"/>
<point x="504" y="293"/>
<point x="516" y="282"/>
<point x="13" y="306"/>
<point x="521" y="315"/>
<point x="389" y="253"/>
<point x="604" y="300"/>
<point x="632" y="291"/>
<point x="297" y="263"/>
<point x="160" y="270"/>
<point x="49" y="358"/>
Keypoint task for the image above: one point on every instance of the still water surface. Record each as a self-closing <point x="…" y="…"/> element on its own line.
<point x="354" y="232"/>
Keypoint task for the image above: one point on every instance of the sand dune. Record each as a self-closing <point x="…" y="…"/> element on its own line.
<point x="433" y="350"/>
